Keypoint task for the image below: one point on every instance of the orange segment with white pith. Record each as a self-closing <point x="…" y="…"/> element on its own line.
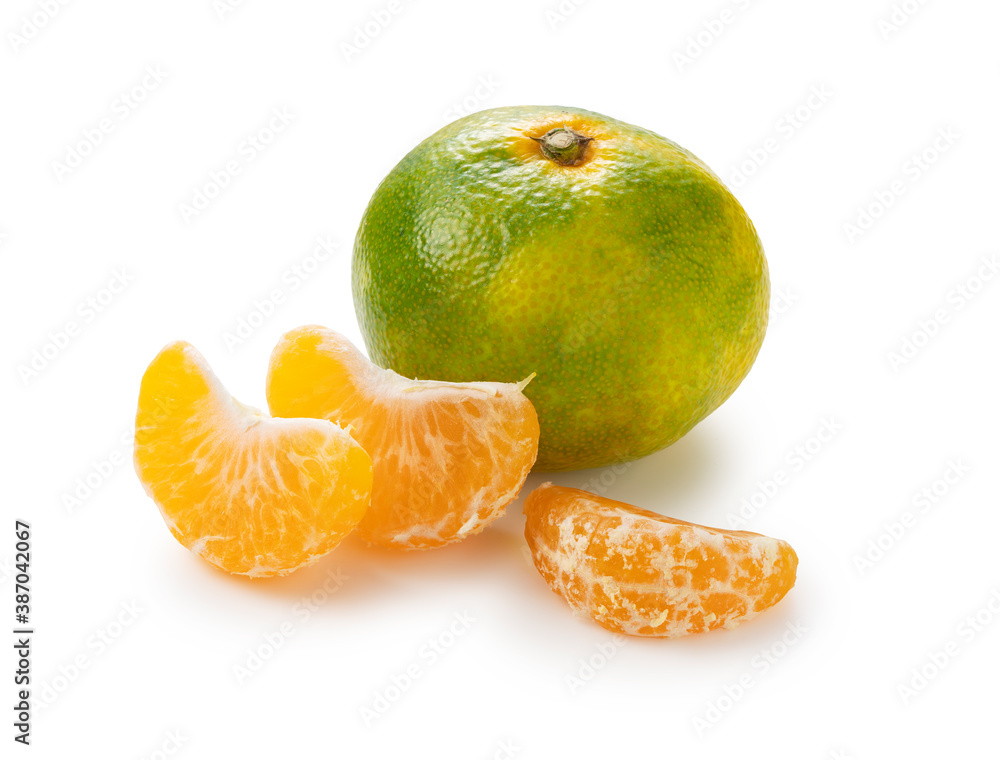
<point x="253" y="495"/>
<point x="640" y="573"/>
<point x="448" y="457"/>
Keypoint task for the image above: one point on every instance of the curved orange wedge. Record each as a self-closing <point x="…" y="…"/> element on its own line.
<point x="643" y="574"/>
<point x="253" y="495"/>
<point x="448" y="457"/>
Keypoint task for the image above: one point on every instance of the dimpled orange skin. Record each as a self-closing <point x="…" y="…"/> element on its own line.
<point x="632" y="281"/>
<point x="253" y="495"/>
<point x="448" y="457"/>
<point x="639" y="573"/>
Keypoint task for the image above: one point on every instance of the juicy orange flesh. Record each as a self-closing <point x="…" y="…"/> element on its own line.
<point x="448" y="457"/>
<point x="638" y="572"/>
<point x="253" y="495"/>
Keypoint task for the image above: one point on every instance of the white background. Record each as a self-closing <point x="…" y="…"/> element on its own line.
<point x="820" y="673"/>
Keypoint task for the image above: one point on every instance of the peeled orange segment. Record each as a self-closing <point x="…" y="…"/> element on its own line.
<point x="251" y="494"/>
<point x="448" y="457"/>
<point x="643" y="574"/>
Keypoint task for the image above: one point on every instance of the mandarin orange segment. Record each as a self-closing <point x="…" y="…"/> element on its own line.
<point x="448" y="457"/>
<point x="253" y="495"/>
<point x="640" y="573"/>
